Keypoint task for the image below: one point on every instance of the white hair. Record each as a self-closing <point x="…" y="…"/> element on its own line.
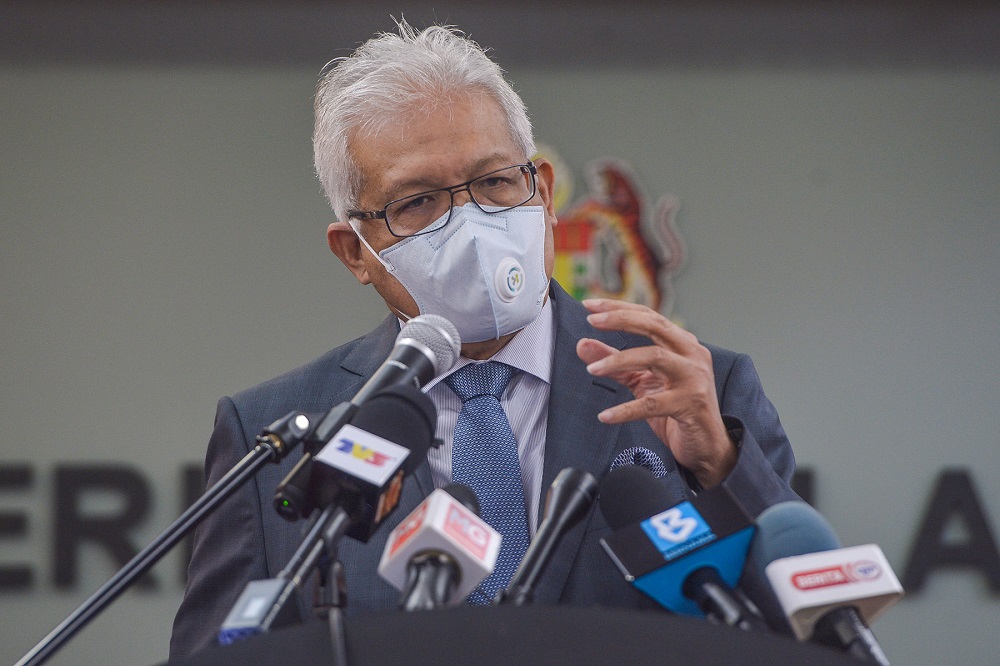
<point x="385" y="80"/>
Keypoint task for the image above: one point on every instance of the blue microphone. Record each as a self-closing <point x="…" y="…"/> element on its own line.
<point x="687" y="557"/>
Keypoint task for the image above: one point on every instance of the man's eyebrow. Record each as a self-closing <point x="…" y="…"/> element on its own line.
<point x="419" y="184"/>
<point x="489" y="163"/>
<point x="410" y="186"/>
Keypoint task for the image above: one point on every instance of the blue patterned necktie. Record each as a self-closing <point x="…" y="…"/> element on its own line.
<point x="484" y="457"/>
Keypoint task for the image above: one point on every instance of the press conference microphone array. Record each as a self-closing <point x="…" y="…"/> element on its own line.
<point x="441" y="552"/>
<point x="569" y="498"/>
<point x="356" y="481"/>
<point x="427" y="346"/>
<point x="687" y="557"/>
<point x="830" y="594"/>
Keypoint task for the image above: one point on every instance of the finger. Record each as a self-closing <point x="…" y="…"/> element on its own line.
<point x="606" y="304"/>
<point x="641" y="409"/>
<point x="660" y="360"/>
<point x="643" y="321"/>
<point x="591" y="351"/>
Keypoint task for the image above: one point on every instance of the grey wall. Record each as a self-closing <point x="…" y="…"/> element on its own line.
<point x="164" y="245"/>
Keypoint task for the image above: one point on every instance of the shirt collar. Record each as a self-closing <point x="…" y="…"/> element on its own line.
<point x="530" y="350"/>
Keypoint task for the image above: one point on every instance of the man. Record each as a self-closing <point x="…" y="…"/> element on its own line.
<point x="425" y="153"/>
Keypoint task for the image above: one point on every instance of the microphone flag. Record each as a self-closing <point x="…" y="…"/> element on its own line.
<point x="659" y="553"/>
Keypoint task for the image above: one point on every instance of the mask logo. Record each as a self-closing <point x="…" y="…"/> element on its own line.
<point x="515" y="279"/>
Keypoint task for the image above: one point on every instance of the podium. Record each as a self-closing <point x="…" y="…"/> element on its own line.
<point x="524" y="635"/>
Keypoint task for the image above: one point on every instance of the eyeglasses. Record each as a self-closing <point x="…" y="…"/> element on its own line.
<point x="424" y="212"/>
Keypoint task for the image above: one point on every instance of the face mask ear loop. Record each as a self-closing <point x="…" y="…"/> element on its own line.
<point x="357" y="232"/>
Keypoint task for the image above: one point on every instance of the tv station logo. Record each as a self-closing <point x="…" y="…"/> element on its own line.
<point x="363" y="455"/>
<point x="841" y="574"/>
<point x="362" y="452"/>
<point x="467" y="529"/>
<point x="677" y="530"/>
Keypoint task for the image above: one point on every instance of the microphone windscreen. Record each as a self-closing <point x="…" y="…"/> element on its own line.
<point x="465" y="496"/>
<point x="630" y="495"/>
<point x="790" y="529"/>
<point x="437" y="334"/>
<point x="404" y="415"/>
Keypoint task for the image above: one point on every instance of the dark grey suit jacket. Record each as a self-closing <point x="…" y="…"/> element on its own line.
<point x="246" y="540"/>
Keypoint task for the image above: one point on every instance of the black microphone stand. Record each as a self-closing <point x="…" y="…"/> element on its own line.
<point x="332" y="591"/>
<point x="273" y="444"/>
<point x="316" y="552"/>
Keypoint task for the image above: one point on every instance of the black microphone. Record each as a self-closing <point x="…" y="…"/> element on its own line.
<point x="427" y="346"/>
<point x="829" y="594"/>
<point x="687" y="557"/>
<point x="356" y="480"/>
<point x="361" y="468"/>
<point x="441" y="551"/>
<point x="567" y="501"/>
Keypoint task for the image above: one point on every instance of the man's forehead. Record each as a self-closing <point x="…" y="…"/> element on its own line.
<point x="438" y="174"/>
<point x="408" y="172"/>
<point x="445" y="143"/>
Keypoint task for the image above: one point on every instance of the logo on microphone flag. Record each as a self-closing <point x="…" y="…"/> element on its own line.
<point x="361" y="452"/>
<point x="363" y="455"/>
<point x="462" y="526"/>
<point x="841" y="574"/>
<point x="678" y="530"/>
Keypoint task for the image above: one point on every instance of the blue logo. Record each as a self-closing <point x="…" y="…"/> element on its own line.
<point x="677" y="530"/>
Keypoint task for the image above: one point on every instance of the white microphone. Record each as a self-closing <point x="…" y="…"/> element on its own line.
<point x="829" y="594"/>
<point x="809" y="586"/>
<point x="441" y="552"/>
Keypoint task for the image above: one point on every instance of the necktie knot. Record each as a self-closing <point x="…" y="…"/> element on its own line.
<point x="479" y="379"/>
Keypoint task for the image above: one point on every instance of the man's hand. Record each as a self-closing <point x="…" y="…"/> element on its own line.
<point x="673" y="384"/>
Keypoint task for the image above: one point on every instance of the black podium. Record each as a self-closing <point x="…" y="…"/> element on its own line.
<point x="525" y="635"/>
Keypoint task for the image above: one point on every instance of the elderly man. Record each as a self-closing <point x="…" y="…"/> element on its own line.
<point x="426" y="155"/>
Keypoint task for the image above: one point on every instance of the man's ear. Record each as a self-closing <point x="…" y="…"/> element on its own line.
<point x="546" y="185"/>
<point x="344" y="243"/>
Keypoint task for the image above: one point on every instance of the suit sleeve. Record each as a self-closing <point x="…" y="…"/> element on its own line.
<point x="227" y="545"/>
<point x="764" y="469"/>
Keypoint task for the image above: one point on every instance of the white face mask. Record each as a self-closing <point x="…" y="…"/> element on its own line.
<point x="484" y="273"/>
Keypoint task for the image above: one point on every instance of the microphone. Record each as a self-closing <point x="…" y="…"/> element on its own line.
<point x="427" y="346"/>
<point x="357" y="479"/>
<point x="830" y="594"/>
<point x="441" y="552"/>
<point x="361" y="468"/>
<point x="567" y="501"/>
<point x="687" y="558"/>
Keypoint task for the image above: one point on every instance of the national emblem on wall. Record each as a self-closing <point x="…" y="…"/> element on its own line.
<point x="608" y="244"/>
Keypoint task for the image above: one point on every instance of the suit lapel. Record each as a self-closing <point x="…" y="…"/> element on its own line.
<point x="574" y="437"/>
<point x="363" y="361"/>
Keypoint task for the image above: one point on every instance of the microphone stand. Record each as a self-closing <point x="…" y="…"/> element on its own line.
<point x="317" y="551"/>
<point x="332" y="592"/>
<point x="272" y="445"/>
